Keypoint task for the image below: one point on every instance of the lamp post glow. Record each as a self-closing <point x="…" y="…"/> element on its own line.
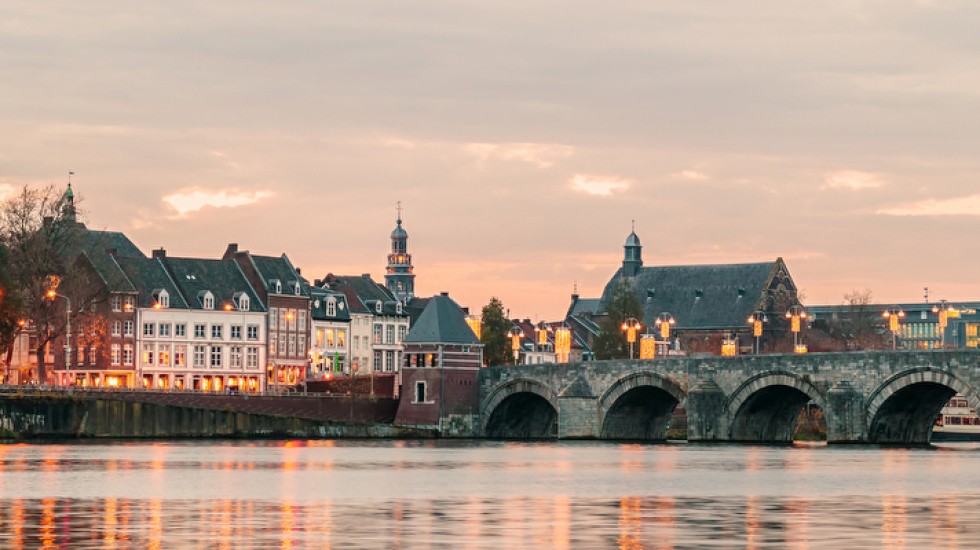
<point x="631" y="326"/>
<point x="563" y="344"/>
<point x="893" y="314"/>
<point x="795" y="314"/>
<point x="515" y="342"/>
<point x="52" y="294"/>
<point x="664" y="321"/>
<point x="756" y="320"/>
<point x="729" y="345"/>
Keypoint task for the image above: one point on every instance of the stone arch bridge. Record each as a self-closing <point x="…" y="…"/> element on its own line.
<point x="867" y="397"/>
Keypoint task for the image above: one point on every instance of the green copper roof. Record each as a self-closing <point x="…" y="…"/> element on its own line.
<point x="442" y="322"/>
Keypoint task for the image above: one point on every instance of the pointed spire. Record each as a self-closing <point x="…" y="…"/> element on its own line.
<point x="399" y="212"/>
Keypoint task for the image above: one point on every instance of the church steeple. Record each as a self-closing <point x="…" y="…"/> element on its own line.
<point x="399" y="276"/>
<point x="69" y="208"/>
<point x="632" y="254"/>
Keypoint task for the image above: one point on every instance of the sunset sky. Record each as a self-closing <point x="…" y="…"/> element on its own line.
<point x="521" y="137"/>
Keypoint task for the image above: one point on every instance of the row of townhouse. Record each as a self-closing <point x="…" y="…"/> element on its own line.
<point x="243" y="321"/>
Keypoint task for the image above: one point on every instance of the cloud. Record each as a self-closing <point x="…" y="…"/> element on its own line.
<point x="189" y="201"/>
<point x="852" y="180"/>
<point x="692" y="175"/>
<point x="541" y="155"/>
<point x="602" y="186"/>
<point x="960" y="206"/>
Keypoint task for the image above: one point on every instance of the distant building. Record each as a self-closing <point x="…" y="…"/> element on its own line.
<point x="330" y="341"/>
<point x="399" y="274"/>
<point x="442" y="360"/>
<point x="919" y="326"/>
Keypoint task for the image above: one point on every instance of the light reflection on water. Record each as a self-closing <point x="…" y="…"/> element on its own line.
<point x="382" y="494"/>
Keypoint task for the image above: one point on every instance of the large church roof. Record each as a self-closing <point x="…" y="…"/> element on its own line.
<point x="699" y="296"/>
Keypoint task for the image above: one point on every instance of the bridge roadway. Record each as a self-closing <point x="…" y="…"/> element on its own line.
<point x="867" y="397"/>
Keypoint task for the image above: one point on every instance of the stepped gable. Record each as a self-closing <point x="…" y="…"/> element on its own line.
<point x="442" y="321"/>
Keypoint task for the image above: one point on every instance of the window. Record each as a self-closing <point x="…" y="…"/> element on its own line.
<point x="236" y="332"/>
<point x="330" y="337"/>
<point x="341" y="338"/>
<point x="180" y="356"/>
<point x="216" y="332"/>
<point x="253" y="332"/>
<point x="297" y="288"/>
<point x="357" y="342"/>
<point x="292" y="345"/>
<point x="277" y="285"/>
<point x="199" y="353"/>
<point x="273" y="346"/>
<point x="128" y="303"/>
<point x="377" y="361"/>
<point x="291" y="318"/>
<point x="301" y="344"/>
<point x="243" y="302"/>
<point x="128" y="328"/>
<point x="319" y="338"/>
<point x="200" y="330"/>
<point x="148" y="356"/>
<point x="180" y="330"/>
<point x="128" y="354"/>
<point x="163" y="299"/>
<point x="116" y="328"/>
<point x="208" y="301"/>
<point x="148" y="330"/>
<point x="389" y="334"/>
<point x="215" y="357"/>
<point x="235" y="357"/>
<point x="116" y="302"/>
<point x="377" y="334"/>
<point x="164" y="330"/>
<point x="273" y="317"/>
<point x="163" y="356"/>
<point x="331" y="308"/>
<point x="302" y="320"/>
<point x="115" y="354"/>
<point x="402" y="329"/>
<point x="252" y="358"/>
<point x="390" y="361"/>
<point x="282" y="319"/>
<point x="420" y="392"/>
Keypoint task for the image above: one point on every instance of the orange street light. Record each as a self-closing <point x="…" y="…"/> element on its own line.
<point x="631" y="326"/>
<point x="795" y="314"/>
<point x="893" y="314"/>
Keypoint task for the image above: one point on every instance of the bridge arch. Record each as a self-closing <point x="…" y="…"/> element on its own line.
<point x="521" y="408"/>
<point x="766" y="406"/>
<point x="639" y="406"/>
<point x="904" y="408"/>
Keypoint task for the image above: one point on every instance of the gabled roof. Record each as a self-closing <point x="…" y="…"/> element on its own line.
<point x="583" y="306"/>
<point x="149" y="275"/>
<point x="441" y="322"/>
<point x="223" y="278"/>
<point x="363" y="294"/>
<point x="699" y="296"/>
<point x="99" y="249"/>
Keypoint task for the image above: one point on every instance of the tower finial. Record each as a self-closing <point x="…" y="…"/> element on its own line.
<point x="633" y="225"/>
<point x="399" y="212"/>
<point x="575" y="286"/>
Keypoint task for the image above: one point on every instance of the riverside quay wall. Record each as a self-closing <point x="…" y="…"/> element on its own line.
<point x="52" y="413"/>
<point x="867" y="397"/>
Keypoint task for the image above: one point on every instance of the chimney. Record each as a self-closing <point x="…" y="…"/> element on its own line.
<point x="299" y="271"/>
<point x="317" y="282"/>
<point x="230" y="251"/>
<point x="444" y="293"/>
<point x="160" y="253"/>
<point x="366" y="275"/>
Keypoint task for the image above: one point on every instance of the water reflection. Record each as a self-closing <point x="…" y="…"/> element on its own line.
<point x="483" y="495"/>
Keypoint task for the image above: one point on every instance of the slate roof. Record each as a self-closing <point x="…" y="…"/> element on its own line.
<point x="223" y="278"/>
<point x="272" y="267"/>
<point x="318" y="305"/>
<point x="94" y="246"/>
<point x="149" y="275"/>
<point x="363" y="293"/>
<point x="415" y="307"/>
<point x="699" y="296"/>
<point x="583" y="306"/>
<point x="443" y="322"/>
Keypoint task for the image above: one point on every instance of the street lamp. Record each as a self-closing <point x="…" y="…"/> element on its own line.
<point x="795" y="314"/>
<point x="515" y="342"/>
<point x="541" y="331"/>
<point x="631" y="326"/>
<point x="664" y="321"/>
<point x="52" y="294"/>
<point x="729" y="345"/>
<point x="893" y="314"/>
<point x="756" y="320"/>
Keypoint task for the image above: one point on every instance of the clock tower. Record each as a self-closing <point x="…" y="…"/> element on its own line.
<point x="400" y="276"/>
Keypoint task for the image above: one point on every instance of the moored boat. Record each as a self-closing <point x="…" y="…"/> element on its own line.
<point x="958" y="421"/>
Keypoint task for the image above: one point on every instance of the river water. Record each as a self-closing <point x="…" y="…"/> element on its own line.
<point x="479" y="494"/>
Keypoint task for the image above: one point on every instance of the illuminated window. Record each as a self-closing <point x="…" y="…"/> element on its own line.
<point x="115" y="354"/>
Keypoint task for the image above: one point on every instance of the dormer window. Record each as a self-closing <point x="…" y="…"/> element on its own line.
<point x="276" y="286"/>
<point x="398" y="308"/>
<point x="161" y="299"/>
<point x="207" y="300"/>
<point x="296" y="288"/>
<point x="331" y="307"/>
<point x="379" y="307"/>
<point x="242" y="301"/>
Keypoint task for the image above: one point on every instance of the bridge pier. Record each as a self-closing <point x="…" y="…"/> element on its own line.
<point x="707" y="412"/>
<point x="845" y="414"/>
<point x="577" y="418"/>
